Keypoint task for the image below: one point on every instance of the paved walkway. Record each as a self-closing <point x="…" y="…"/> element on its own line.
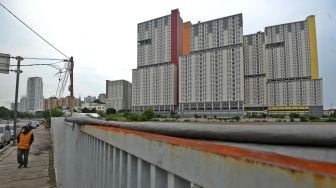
<point x="37" y="173"/>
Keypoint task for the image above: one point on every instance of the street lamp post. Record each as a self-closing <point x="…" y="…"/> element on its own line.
<point x="18" y="71"/>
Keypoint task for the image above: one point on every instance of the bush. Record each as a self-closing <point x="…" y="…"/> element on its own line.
<point x="330" y="119"/>
<point x="175" y="116"/>
<point x="86" y="110"/>
<point x="294" y="115"/>
<point x="47" y="114"/>
<point x="237" y="118"/>
<point x="123" y="111"/>
<point x="303" y="119"/>
<point x="112" y="117"/>
<point x="197" y="116"/>
<point x="101" y="113"/>
<point x="278" y="116"/>
<point x="148" y="114"/>
<point x="111" y="111"/>
<point x="132" y="117"/>
<point x="313" y="118"/>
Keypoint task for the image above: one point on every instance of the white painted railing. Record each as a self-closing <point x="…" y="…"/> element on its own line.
<point x="98" y="156"/>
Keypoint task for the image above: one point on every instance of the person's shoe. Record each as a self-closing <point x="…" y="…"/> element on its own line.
<point x="20" y="166"/>
<point x="25" y="166"/>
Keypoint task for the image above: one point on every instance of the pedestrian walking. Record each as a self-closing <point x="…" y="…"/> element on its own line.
<point x="24" y="140"/>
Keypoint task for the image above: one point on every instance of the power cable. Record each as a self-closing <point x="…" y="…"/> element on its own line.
<point x="59" y="51"/>
<point x="36" y="64"/>
<point x="43" y="58"/>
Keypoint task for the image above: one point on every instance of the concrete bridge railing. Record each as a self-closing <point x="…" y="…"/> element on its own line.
<point x="101" y="156"/>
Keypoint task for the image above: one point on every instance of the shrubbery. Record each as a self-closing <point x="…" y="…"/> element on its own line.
<point x="294" y="115"/>
<point x="111" y="111"/>
<point x="127" y="116"/>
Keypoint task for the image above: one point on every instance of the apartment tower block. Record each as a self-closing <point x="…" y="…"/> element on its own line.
<point x="34" y="94"/>
<point x="211" y="75"/>
<point x="118" y="94"/>
<point x="210" y="68"/>
<point x="156" y="76"/>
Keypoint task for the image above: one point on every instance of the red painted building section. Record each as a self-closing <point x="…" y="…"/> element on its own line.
<point x="175" y="17"/>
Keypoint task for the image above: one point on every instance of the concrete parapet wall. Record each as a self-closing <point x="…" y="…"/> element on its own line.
<point x="102" y="156"/>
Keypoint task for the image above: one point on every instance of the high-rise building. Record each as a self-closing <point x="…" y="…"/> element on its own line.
<point x="35" y="94"/>
<point x="293" y="78"/>
<point x="281" y="69"/>
<point x="12" y="106"/>
<point x="155" y="80"/>
<point x="211" y="74"/>
<point x="102" y="97"/>
<point x="118" y="94"/>
<point x="89" y="99"/>
<point x="221" y="72"/>
<point x="255" y="72"/>
<point x="23" y="105"/>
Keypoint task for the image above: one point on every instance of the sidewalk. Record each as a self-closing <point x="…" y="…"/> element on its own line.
<point x="37" y="173"/>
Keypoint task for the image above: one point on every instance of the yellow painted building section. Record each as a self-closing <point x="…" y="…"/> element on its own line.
<point x="313" y="47"/>
<point x="186" y="38"/>
<point x="289" y="108"/>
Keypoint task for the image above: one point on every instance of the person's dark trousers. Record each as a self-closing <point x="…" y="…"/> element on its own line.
<point x="22" y="157"/>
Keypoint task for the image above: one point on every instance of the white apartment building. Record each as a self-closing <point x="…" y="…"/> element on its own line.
<point x="34" y="94"/>
<point x="255" y="72"/>
<point x="23" y="105"/>
<point x="156" y="76"/>
<point x="210" y="68"/>
<point x="293" y="78"/>
<point x="118" y="94"/>
<point x="211" y="75"/>
<point x="89" y="99"/>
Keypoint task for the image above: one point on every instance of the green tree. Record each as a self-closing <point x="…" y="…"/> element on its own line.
<point x="111" y="111"/>
<point x="101" y="113"/>
<point x="47" y="114"/>
<point x="86" y="110"/>
<point x="123" y="111"/>
<point x="148" y="114"/>
<point x="4" y="113"/>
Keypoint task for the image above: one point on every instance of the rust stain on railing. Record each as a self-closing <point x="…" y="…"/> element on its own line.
<point x="293" y="164"/>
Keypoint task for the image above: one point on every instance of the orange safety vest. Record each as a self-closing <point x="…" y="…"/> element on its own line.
<point x="24" y="142"/>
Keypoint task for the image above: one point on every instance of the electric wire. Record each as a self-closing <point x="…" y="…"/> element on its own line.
<point x="43" y="58"/>
<point x="37" y="64"/>
<point x="63" y="78"/>
<point x="59" y="51"/>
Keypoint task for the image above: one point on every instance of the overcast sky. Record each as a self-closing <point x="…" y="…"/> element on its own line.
<point x="101" y="36"/>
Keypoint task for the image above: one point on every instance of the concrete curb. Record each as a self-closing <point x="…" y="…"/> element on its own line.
<point x="6" y="147"/>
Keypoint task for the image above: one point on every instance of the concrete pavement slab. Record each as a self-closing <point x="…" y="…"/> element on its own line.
<point x="37" y="173"/>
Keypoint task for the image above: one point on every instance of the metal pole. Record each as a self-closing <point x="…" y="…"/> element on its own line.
<point x="71" y="86"/>
<point x="19" y="59"/>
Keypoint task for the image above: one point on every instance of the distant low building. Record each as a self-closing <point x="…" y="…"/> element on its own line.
<point x="53" y="102"/>
<point x="90" y="106"/>
<point x="329" y="112"/>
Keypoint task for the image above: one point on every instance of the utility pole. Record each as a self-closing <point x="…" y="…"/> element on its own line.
<point x="71" y="86"/>
<point x="18" y="71"/>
